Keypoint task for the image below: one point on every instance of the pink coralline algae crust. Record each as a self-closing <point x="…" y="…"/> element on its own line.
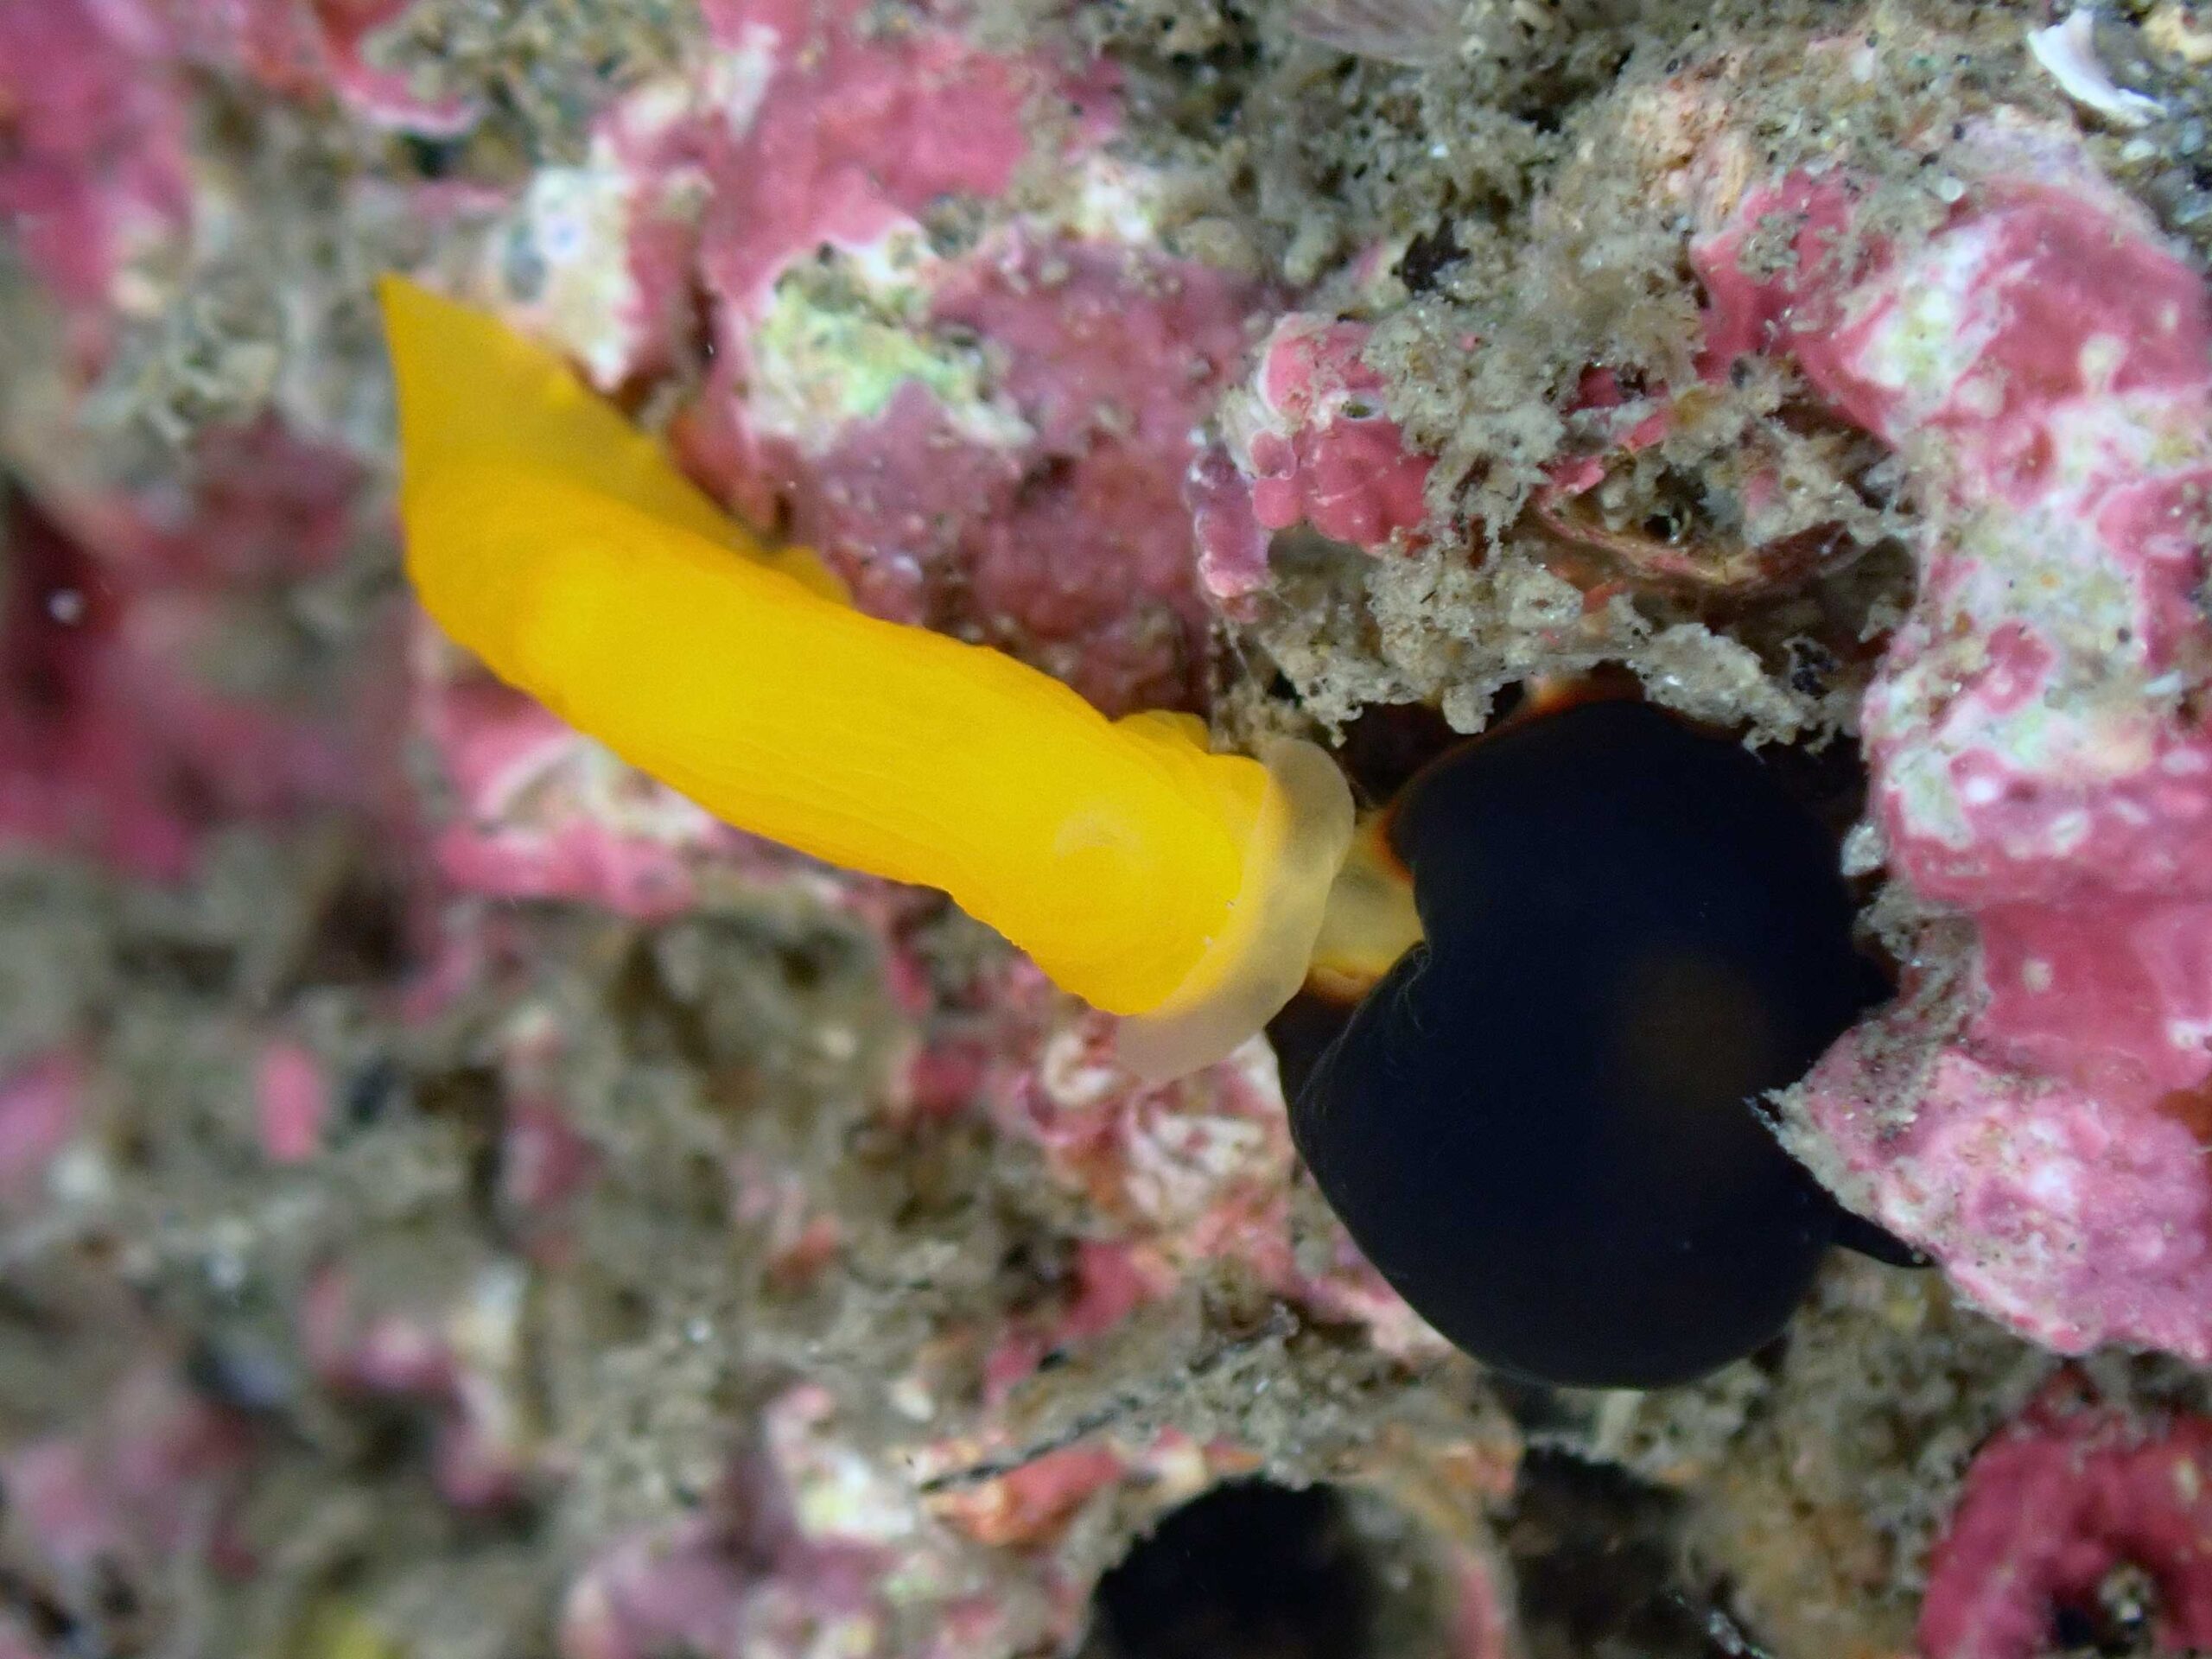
<point x="40" y="1109"/>
<point x="116" y="739"/>
<point x="93" y="165"/>
<point x="798" y="131"/>
<point x="807" y="1537"/>
<point x="291" y="1101"/>
<point x="535" y="810"/>
<point x="133" y="738"/>
<point x="93" y="102"/>
<point x="601" y="258"/>
<point x="1175" y="1175"/>
<point x="2053" y="1504"/>
<point x="151" y="1480"/>
<point x="443" y="1362"/>
<point x="1064" y="537"/>
<point x="855" y="131"/>
<point x="1114" y="357"/>
<point x="679" y="1588"/>
<point x="1039" y="507"/>
<point x="540" y="811"/>
<point x="312" y="48"/>
<point x="1311" y="440"/>
<point x="2043" y="363"/>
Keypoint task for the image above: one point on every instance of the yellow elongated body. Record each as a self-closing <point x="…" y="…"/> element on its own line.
<point x="1143" y="873"/>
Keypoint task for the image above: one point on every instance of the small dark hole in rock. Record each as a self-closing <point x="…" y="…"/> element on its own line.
<point x="2117" y="1624"/>
<point x="391" y="1435"/>
<point x="1389" y="743"/>
<point x="432" y="158"/>
<point x="1428" y="257"/>
<point x="362" y="936"/>
<point x="469" y="1095"/>
<point x="662" y="1020"/>
<point x="197" y="967"/>
<point x="1249" y="1570"/>
<point x="804" y="969"/>
<point x="1595" y="1551"/>
<point x="370" y="1091"/>
<point x="2073" y="1628"/>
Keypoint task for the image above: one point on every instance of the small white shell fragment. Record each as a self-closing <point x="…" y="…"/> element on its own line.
<point x="2068" y="51"/>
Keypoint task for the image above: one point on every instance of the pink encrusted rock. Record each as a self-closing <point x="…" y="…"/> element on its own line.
<point x="2053" y="1503"/>
<point x="117" y="737"/>
<point x="378" y="1352"/>
<point x="310" y="50"/>
<point x="849" y="131"/>
<point x="454" y="1348"/>
<point x="458" y="1361"/>
<point x="2042" y="361"/>
<point x="1113" y="356"/>
<point x="1033" y="1504"/>
<point x="1311" y="439"/>
<point x="533" y="808"/>
<point x="303" y="49"/>
<point x="600" y="257"/>
<point x="94" y="97"/>
<point x="291" y="1101"/>
<point x="545" y="1160"/>
<point x="1175" y="1175"/>
<point x="990" y="440"/>
<point x="1234" y="546"/>
<point x="1027" y="490"/>
<point x="313" y="48"/>
<point x="677" y="1589"/>
<point x="151" y="1479"/>
<point x="1109" y="1282"/>
<point x="539" y="811"/>
<point x="40" y="1109"/>
<point x="825" y="1528"/>
<point x="92" y="171"/>
<point x="810" y="1539"/>
<point x="980" y="414"/>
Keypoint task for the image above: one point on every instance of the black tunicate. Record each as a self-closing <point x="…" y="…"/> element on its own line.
<point x="1543" y="1125"/>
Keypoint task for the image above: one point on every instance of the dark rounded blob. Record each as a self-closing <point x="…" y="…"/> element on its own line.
<point x="1543" y="1125"/>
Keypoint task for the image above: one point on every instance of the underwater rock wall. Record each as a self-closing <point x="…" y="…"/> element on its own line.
<point x="460" y="1200"/>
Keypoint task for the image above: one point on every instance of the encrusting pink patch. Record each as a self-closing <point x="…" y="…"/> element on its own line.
<point x="1314" y="445"/>
<point x="42" y="1106"/>
<point x="93" y="163"/>
<point x="2055" y="1501"/>
<point x="2043" y="364"/>
<point x="292" y="1099"/>
<point x="110" y="741"/>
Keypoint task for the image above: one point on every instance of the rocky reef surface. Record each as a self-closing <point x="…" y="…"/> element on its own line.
<point x="458" y="1200"/>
